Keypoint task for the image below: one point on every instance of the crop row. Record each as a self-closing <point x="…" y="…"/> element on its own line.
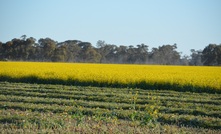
<point x="65" y="99"/>
<point x="203" y="110"/>
<point x="207" y="122"/>
<point x="116" y="91"/>
<point x="206" y="110"/>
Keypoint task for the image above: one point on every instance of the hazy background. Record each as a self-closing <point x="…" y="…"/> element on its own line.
<point x="189" y="23"/>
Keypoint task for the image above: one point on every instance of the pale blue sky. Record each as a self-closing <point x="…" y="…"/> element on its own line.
<point x="189" y="23"/>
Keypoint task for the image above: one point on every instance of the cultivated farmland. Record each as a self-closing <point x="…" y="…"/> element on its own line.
<point x="99" y="98"/>
<point x="181" y="78"/>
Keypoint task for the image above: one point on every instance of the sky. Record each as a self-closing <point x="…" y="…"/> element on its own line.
<point x="191" y="24"/>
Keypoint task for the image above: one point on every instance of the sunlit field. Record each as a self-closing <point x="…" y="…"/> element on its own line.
<point x="182" y="78"/>
<point x="108" y="98"/>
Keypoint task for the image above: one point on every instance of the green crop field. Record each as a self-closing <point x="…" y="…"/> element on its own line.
<point x="44" y="108"/>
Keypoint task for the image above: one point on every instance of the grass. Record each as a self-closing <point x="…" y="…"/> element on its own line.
<point x="46" y="108"/>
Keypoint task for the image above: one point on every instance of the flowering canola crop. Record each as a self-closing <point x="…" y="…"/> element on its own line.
<point x="123" y="75"/>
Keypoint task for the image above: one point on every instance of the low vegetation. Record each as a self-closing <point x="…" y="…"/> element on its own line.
<point x="179" y="78"/>
<point x="31" y="108"/>
<point x="108" y="98"/>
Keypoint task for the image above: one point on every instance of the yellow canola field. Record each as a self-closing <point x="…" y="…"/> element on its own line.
<point x="114" y="73"/>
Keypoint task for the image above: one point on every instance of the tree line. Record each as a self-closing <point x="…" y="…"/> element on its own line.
<point x="48" y="50"/>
